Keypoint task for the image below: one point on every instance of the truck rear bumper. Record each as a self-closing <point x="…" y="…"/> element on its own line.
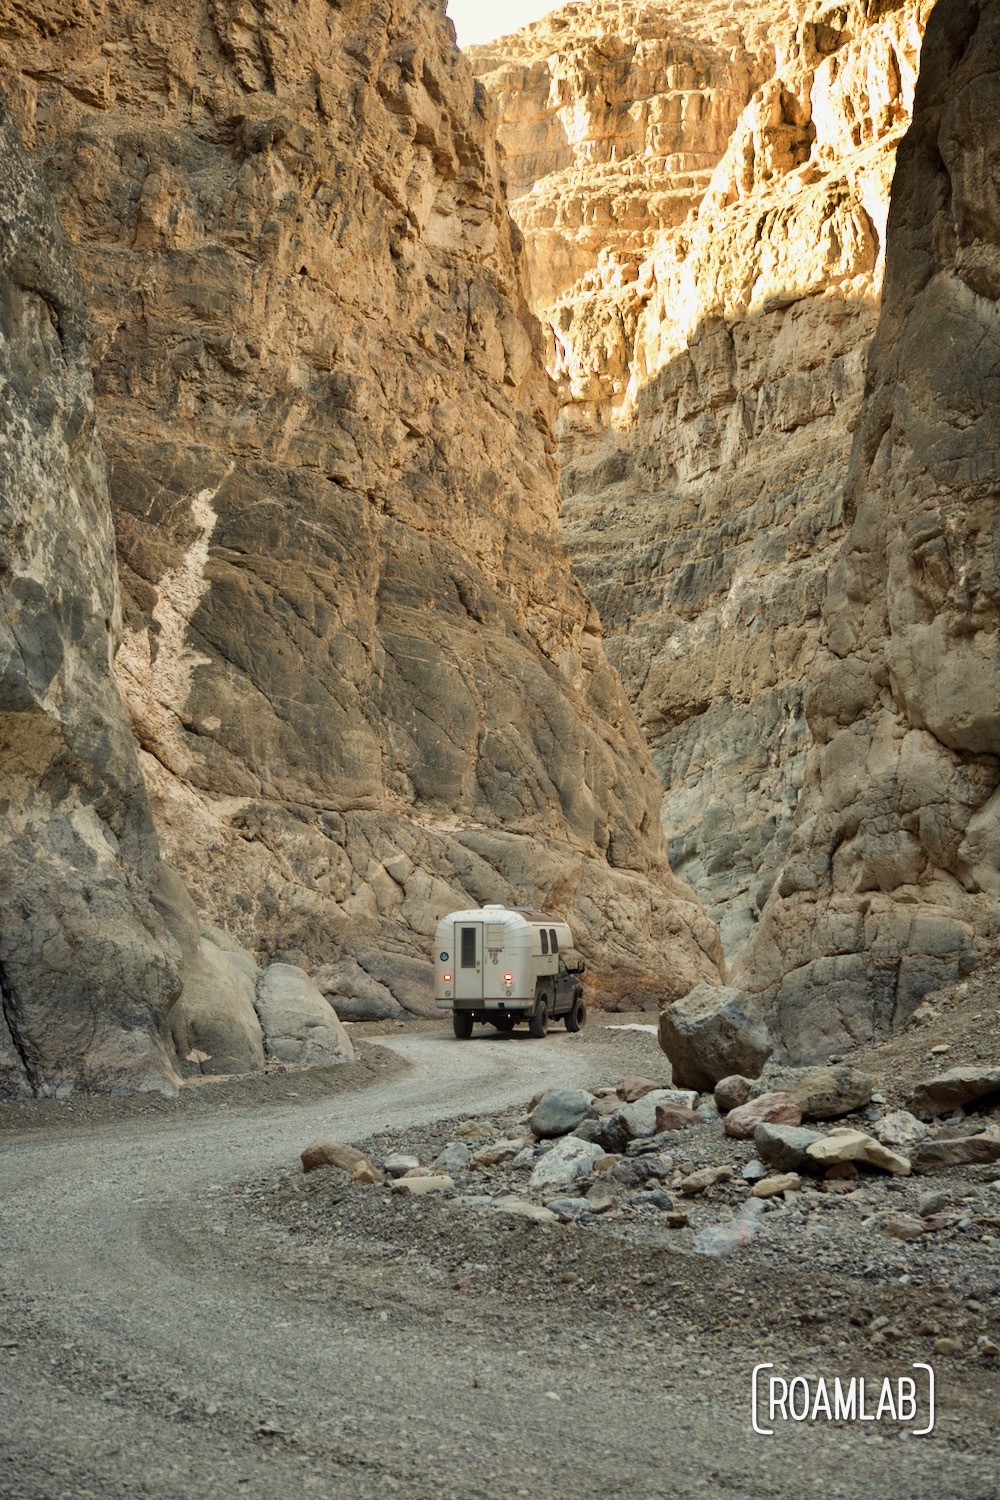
<point x="495" y="1007"/>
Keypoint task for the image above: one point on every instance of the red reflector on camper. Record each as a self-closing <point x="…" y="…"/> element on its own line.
<point x="446" y="978"/>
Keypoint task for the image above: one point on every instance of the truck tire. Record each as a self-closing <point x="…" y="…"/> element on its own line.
<point x="462" y="1022"/>
<point x="539" y="1023"/>
<point x="576" y="1016"/>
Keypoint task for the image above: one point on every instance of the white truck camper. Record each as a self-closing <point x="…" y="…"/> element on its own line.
<point x="499" y="965"/>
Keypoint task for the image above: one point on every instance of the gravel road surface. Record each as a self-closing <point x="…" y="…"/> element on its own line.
<point x="153" y="1343"/>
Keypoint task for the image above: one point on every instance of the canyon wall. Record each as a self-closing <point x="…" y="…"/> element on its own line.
<point x="711" y="376"/>
<point x="891" y="882"/>
<point x="87" y="968"/>
<point x="365" y="686"/>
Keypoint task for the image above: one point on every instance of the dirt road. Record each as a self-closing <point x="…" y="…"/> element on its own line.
<point x="149" y="1346"/>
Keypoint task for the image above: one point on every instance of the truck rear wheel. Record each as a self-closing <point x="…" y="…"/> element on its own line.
<point x="539" y="1023"/>
<point x="576" y="1016"/>
<point x="462" y="1022"/>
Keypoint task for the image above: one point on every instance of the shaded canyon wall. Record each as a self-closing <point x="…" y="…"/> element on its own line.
<point x="711" y="374"/>
<point x="88" y="970"/>
<point x="890" y="885"/>
<point x="365" y="686"/>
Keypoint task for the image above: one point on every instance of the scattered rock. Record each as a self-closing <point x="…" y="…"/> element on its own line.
<point x="631" y="1089"/>
<point x="721" y="1240"/>
<point x="931" y="1203"/>
<point x="676" y="1219"/>
<point x="841" y="1171"/>
<point x="454" y="1158"/>
<point x="568" y="1209"/>
<point x="707" y="1177"/>
<point x="844" y="1144"/>
<point x="964" y="1151"/>
<point x="637" y="1121"/>
<point x="785" y="1147"/>
<point x="754" y="1171"/>
<point x="418" y="1187"/>
<point x="708" y="1035"/>
<point x="900" y="1130"/>
<point x="733" y="1091"/>
<point x="495" y="1153"/>
<point x="398" y="1165"/>
<point x="525" y="1210"/>
<point x="777" y="1109"/>
<point x="559" y="1112"/>
<point x="325" y="1153"/>
<point x="825" y="1093"/>
<point x="601" y="1195"/>
<point x="675" y="1117"/>
<point x="947" y="1346"/>
<point x="770" y="1187"/>
<point x="953" y="1090"/>
<point x="900" y="1226"/>
<point x="570" y="1159"/>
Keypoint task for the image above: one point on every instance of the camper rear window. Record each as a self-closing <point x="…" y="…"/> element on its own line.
<point x="553" y="940"/>
<point x="468" y="958"/>
<point x="545" y="941"/>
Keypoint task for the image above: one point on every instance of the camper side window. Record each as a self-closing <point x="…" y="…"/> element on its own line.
<point x="468" y="947"/>
<point x="553" y="940"/>
<point x="544" y="938"/>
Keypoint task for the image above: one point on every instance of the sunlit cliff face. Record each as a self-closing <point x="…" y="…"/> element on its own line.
<point x="667" y="169"/>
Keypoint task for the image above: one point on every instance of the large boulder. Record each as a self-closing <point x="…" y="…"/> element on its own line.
<point x="708" y="1035"/>
<point x="299" y="1025"/>
<point x="214" y="1023"/>
<point x="954" y="1089"/>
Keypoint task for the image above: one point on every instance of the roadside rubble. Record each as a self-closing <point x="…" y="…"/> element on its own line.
<point x="806" y="1165"/>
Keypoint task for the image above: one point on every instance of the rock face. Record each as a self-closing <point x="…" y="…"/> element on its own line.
<point x="711" y="372"/>
<point x="891" y="880"/>
<point x="87" y="968"/>
<point x="365" y="686"/>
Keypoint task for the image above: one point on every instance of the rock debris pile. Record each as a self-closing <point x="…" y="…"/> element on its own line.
<point x="811" y="1163"/>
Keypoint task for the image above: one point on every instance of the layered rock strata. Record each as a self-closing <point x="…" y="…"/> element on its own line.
<point x="88" y="970"/>
<point x="892" y="876"/>
<point x="709" y="401"/>
<point x="365" y="686"/>
<point x="612" y="117"/>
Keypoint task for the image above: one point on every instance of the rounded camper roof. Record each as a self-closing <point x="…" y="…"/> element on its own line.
<point x="496" y="912"/>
